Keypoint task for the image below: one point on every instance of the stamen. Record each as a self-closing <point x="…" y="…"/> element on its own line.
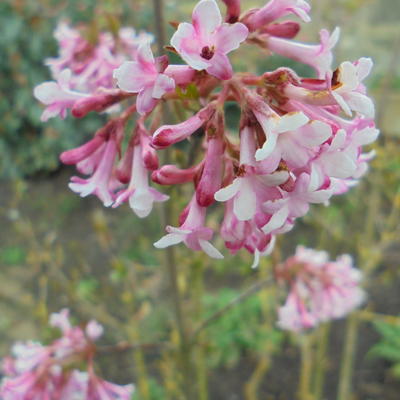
<point x="207" y="52"/>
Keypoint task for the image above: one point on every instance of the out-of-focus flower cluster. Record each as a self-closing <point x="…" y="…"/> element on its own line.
<point x="299" y="141"/>
<point x="320" y="289"/>
<point x="53" y="372"/>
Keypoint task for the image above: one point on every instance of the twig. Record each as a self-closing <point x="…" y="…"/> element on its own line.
<point x="239" y="299"/>
<point x="125" y="346"/>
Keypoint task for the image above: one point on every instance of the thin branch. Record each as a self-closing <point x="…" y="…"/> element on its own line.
<point x="125" y="346"/>
<point x="237" y="300"/>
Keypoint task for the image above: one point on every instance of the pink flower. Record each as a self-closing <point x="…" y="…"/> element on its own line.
<point x="205" y="43"/>
<point x="238" y="234"/>
<point x="167" y="135"/>
<point x="57" y="96"/>
<point x="275" y="9"/>
<point x="100" y="182"/>
<point x="92" y="65"/>
<point x="320" y="290"/>
<point x="172" y="175"/>
<point x="99" y="389"/>
<point x="39" y="372"/>
<point x="336" y="160"/>
<point x="348" y="90"/>
<point x="297" y="147"/>
<point x="192" y="232"/>
<point x="273" y="124"/>
<point x="294" y="204"/>
<point x="146" y="77"/>
<point x="139" y="194"/>
<point x="317" y="56"/>
<point x="211" y="175"/>
<point x="249" y="190"/>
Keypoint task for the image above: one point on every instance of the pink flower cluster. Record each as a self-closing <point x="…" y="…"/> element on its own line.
<point x="320" y="290"/>
<point x="84" y="69"/>
<point x="299" y="141"/>
<point x="37" y="372"/>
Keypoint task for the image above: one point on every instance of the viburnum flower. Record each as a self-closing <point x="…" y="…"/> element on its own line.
<point x="348" y="90"/>
<point x="275" y="9"/>
<point x="300" y="141"/>
<point x="205" y="43"/>
<point x="320" y="290"/>
<point x="37" y="372"/>
<point x="317" y="56"/>
<point x="138" y="193"/>
<point x="192" y="232"/>
<point x="57" y="96"/>
<point x="146" y="77"/>
<point x="294" y="204"/>
<point x="91" y="64"/>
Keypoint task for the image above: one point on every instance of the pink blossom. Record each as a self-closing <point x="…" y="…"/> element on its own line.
<point x="336" y="160"/>
<point x="205" y="43"/>
<point x="139" y="194"/>
<point x="57" y="96"/>
<point x="238" y="234"/>
<point x="285" y="29"/>
<point x="100" y="182"/>
<point x="275" y="9"/>
<point x="192" y="232"/>
<point x="146" y="77"/>
<point x="249" y="189"/>
<point x="273" y="124"/>
<point x="348" y="90"/>
<point x="320" y="290"/>
<point x="299" y="146"/>
<point x="170" y="134"/>
<point x="172" y="175"/>
<point x="92" y="65"/>
<point x="317" y="56"/>
<point x="294" y="204"/>
<point x="100" y="389"/>
<point x="37" y="372"/>
<point x="211" y="175"/>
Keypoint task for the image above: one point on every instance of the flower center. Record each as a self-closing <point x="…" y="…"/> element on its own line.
<point x="207" y="52"/>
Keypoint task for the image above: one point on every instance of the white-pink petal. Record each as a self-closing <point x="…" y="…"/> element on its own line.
<point x="169" y="240"/>
<point x="206" y="17"/>
<point x="210" y="250"/>
<point x="228" y="192"/>
<point x="229" y="37"/>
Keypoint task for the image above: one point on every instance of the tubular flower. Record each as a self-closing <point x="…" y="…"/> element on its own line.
<point x="204" y="43"/>
<point x="37" y="372"/>
<point x="300" y="141"/>
<point x="320" y="290"/>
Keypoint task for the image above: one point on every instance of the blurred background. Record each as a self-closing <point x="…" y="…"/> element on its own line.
<point x="58" y="250"/>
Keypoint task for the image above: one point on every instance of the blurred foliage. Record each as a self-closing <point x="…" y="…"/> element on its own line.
<point x="238" y="331"/>
<point x="27" y="145"/>
<point x="388" y="346"/>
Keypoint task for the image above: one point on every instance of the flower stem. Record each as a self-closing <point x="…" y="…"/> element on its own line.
<point x="321" y="360"/>
<point x="306" y="368"/>
<point x="349" y="350"/>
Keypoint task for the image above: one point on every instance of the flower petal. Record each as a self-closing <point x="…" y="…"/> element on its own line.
<point x="228" y="192"/>
<point x="229" y="37"/>
<point x="145" y="101"/>
<point x="220" y="67"/>
<point x="162" y="85"/>
<point x="206" y="17"/>
<point x="169" y="240"/>
<point x="210" y="250"/>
